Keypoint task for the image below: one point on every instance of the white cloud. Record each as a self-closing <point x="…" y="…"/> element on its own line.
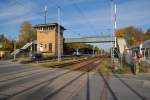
<point x="18" y="12"/>
<point x="16" y="9"/>
<point x="20" y="20"/>
<point x="130" y="12"/>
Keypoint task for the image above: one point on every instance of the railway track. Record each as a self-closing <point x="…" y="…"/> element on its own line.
<point x="84" y="69"/>
<point x="22" y="79"/>
<point x="104" y="93"/>
<point x="16" y="72"/>
<point x="57" y="76"/>
<point x="21" y="74"/>
<point x="130" y="88"/>
<point x="108" y="88"/>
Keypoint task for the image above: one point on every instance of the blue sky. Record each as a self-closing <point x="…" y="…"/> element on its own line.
<point x="79" y="17"/>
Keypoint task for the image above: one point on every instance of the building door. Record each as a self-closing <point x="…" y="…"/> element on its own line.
<point x="50" y="47"/>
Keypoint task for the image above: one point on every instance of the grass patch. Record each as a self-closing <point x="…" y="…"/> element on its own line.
<point x="143" y="69"/>
<point x="124" y="70"/>
<point x="55" y="64"/>
<point x="21" y="59"/>
<point x="105" y="67"/>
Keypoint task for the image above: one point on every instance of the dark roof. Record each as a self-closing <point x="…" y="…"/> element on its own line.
<point x="48" y="24"/>
<point x="134" y="47"/>
<point x="146" y="44"/>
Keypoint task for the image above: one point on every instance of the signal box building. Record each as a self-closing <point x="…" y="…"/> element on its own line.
<point x="47" y="38"/>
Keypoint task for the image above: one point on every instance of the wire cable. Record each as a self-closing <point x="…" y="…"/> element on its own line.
<point x="84" y="17"/>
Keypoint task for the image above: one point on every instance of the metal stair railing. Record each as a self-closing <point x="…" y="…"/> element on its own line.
<point x="23" y="48"/>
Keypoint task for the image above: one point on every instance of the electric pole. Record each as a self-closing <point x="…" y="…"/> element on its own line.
<point x="58" y="47"/>
<point x="15" y="49"/>
<point x="114" y="21"/>
<point x="93" y="50"/>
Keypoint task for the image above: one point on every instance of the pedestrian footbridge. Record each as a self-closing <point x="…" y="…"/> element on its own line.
<point x="121" y="43"/>
<point x="99" y="39"/>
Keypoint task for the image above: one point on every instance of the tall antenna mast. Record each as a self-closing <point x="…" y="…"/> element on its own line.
<point x="45" y="11"/>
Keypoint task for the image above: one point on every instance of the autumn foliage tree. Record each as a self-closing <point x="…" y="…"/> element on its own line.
<point x="132" y="35"/>
<point x="7" y="44"/>
<point x="71" y="47"/>
<point x="147" y="34"/>
<point x="27" y="33"/>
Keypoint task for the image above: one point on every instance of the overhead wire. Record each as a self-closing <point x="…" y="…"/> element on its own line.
<point x="82" y="14"/>
<point x="88" y="22"/>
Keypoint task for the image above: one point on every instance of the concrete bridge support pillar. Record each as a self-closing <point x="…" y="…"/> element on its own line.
<point x="93" y="50"/>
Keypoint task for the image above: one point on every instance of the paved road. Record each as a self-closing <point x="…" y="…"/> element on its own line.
<point x="22" y="82"/>
<point x="4" y="62"/>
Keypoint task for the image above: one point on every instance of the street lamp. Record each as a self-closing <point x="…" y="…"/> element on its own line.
<point x="14" y="50"/>
<point x="93" y="50"/>
<point x="15" y="43"/>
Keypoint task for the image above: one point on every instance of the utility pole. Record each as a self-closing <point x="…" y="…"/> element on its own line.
<point x="93" y="51"/>
<point x="45" y="11"/>
<point x="114" y="21"/>
<point x="58" y="47"/>
<point x="14" y="49"/>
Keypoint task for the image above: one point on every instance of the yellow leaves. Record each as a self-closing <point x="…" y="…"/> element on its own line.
<point x="132" y="35"/>
<point x="120" y="32"/>
<point x="7" y="44"/>
<point x="27" y="33"/>
<point x="77" y="45"/>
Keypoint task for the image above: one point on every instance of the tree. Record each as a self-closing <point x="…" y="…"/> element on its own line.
<point x="2" y="37"/>
<point x="132" y="35"/>
<point x="27" y="33"/>
<point x="147" y="34"/>
<point x="120" y="32"/>
<point x="7" y="45"/>
<point x="69" y="48"/>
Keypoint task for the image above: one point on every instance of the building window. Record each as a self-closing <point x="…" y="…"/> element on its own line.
<point x="41" y="45"/>
<point x="45" y="45"/>
<point x="50" y="47"/>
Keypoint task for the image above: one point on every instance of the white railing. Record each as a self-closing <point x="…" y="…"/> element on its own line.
<point x="23" y="48"/>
